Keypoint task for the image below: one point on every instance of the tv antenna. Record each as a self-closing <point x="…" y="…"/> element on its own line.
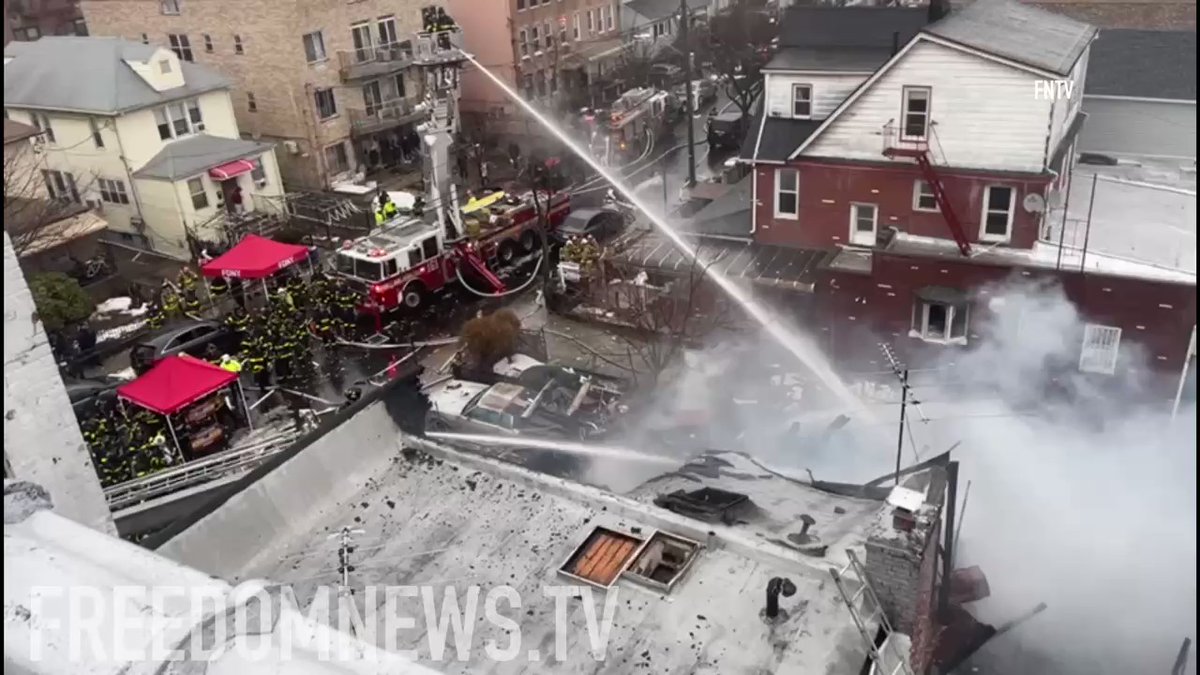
<point x="901" y="371"/>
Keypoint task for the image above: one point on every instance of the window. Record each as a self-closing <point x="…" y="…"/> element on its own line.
<point x="181" y="46"/>
<point x="801" y="100"/>
<point x="336" y="160"/>
<point x="923" y="198"/>
<point x="326" y="105"/>
<point x="527" y="85"/>
<point x="602" y="557"/>
<point x="612" y="16"/>
<point x="372" y="97"/>
<point x="145" y="39"/>
<point x="863" y="220"/>
<point x="28" y="34"/>
<point x="540" y="82"/>
<point x="787" y="193"/>
<point x="258" y="174"/>
<point x="170" y="6"/>
<point x="398" y="86"/>
<point x="80" y="27"/>
<point x="603" y="11"/>
<point x="523" y="40"/>
<point x="199" y="194"/>
<point x="608" y="18"/>
<point x="546" y="32"/>
<point x="251" y="102"/>
<point x="591" y="25"/>
<point x="533" y="37"/>
<point x="940" y="315"/>
<point x="179" y="119"/>
<point x="521" y="5"/>
<point x="916" y="112"/>
<point x="430" y="247"/>
<point x="61" y="186"/>
<point x="208" y="44"/>
<point x="42" y="124"/>
<point x="314" y="47"/>
<point x="113" y="191"/>
<point x="97" y="137"/>
<point x="1100" y="347"/>
<point x="387" y="31"/>
<point x="194" y="117"/>
<point x="575" y="27"/>
<point x="238" y="47"/>
<point x="164" y="66"/>
<point x="364" y="50"/>
<point x="998" y="203"/>
<point x="551" y="81"/>
<point x="545" y="2"/>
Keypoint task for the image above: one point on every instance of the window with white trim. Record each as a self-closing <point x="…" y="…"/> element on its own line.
<point x="591" y="22"/>
<point x="259" y="175"/>
<point x="113" y="191"/>
<point x="314" y="47"/>
<point x="170" y="7"/>
<point x="42" y="124"/>
<point x="97" y="137"/>
<point x="181" y="46"/>
<point x="864" y="219"/>
<point x="521" y="5"/>
<point x="802" y="100"/>
<point x="61" y="186"/>
<point x="923" y="198"/>
<point x="199" y="194"/>
<point x="387" y="31"/>
<point x="336" y="159"/>
<point x="535" y="39"/>
<point x="915" y="113"/>
<point x="179" y="119"/>
<point x="940" y="321"/>
<point x="548" y="34"/>
<point x="575" y="27"/>
<point x="610" y="22"/>
<point x="1101" y="344"/>
<point x="326" y="103"/>
<point x="787" y="193"/>
<point x="164" y="66"/>
<point x="999" y="202"/>
<point x="523" y="41"/>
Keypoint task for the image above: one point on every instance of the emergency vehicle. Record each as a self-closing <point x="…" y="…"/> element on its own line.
<point x="620" y="133"/>
<point x="406" y="260"/>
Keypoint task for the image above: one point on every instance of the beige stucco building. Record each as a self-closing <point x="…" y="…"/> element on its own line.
<point x="149" y="142"/>
<point x="332" y="82"/>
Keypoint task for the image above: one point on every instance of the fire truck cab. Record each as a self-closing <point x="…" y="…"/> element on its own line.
<point x="635" y="113"/>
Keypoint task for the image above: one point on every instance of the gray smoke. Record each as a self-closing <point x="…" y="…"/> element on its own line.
<point x="1083" y="493"/>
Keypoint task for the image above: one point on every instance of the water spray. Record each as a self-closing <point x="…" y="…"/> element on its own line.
<point x="799" y="345"/>
<point x="569" y="447"/>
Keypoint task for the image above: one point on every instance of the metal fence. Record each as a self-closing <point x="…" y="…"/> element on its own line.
<point x="1125" y="219"/>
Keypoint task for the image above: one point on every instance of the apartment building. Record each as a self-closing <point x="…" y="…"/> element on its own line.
<point x="147" y="139"/>
<point x="555" y="52"/>
<point x="332" y="83"/>
<point x="31" y="19"/>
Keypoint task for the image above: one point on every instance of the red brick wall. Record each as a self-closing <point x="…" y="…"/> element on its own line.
<point x="827" y="190"/>
<point x="860" y="310"/>
<point x="925" y="626"/>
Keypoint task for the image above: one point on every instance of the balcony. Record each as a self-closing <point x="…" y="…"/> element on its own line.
<point x="372" y="62"/>
<point x="898" y="144"/>
<point x="384" y="116"/>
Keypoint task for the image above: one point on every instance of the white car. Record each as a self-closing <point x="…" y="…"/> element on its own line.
<point x="508" y="409"/>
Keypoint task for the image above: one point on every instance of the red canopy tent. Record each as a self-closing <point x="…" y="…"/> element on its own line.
<point x="254" y="257"/>
<point x="175" y="383"/>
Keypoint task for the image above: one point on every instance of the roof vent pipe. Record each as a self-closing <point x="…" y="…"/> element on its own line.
<point x="775" y="587"/>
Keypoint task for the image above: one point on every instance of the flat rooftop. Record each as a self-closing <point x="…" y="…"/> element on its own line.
<point x="429" y="519"/>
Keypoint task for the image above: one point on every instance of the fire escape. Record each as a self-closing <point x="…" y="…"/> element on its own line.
<point x="896" y="144"/>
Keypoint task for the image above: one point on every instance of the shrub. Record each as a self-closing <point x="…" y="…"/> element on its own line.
<point x="60" y="300"/>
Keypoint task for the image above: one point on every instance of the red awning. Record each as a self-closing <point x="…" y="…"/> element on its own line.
<point x="254" y="257"/>
<point x="175" y="383"/>
<point x="232" y="169"/>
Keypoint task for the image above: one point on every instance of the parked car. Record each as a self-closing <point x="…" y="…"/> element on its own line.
<point x="86" y="395"/>
<point x="600" y="223"/>
<point x="665" y="75"/>
<point x="703" y="90"/>
<point x="185" y="337"/>
<point x="550" y="411"/>
<point x="726" y="130"/>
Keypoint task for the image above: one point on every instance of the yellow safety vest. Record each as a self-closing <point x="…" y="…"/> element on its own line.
<point x="389" y="210"/>
<point x="379" y="217"/>
<point x="232" y="365"/>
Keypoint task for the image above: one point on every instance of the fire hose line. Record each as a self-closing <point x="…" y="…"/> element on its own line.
<point x="441" y="342"/>
<point x="585" y="187"/>
<point x="533" y="276"/>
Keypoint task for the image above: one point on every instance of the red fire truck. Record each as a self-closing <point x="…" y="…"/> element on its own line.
<point x="407" y="259"/>
<point x="620" y="133"/>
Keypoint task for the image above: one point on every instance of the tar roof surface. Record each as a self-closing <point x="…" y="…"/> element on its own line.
<point x="1017" y="32"/>
<point x="195" y="155"/>
<point x="1144" y="64"/>
<point x="849" y="27"/>
<point x="433" y="522"/>
<point x="843" y="59"/>
<point x="779" y="138"/>
<point x="89" y="74"/>
<point x="728" y="215"/>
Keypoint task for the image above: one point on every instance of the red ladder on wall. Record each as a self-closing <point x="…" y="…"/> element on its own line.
<point x="919" y="151"/>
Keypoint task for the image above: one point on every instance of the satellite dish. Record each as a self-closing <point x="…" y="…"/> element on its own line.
<point x="1034" y="203"/>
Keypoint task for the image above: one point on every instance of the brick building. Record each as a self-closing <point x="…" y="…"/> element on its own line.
<point x="31" y="19"/>
<point x="332" y="82"/>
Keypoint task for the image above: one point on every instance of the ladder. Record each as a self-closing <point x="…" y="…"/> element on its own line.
<point x="891" y="654"/>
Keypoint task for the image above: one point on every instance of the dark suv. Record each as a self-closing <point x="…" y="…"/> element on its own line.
<point x="185" y="337"/>
<point x="726" y="130"/>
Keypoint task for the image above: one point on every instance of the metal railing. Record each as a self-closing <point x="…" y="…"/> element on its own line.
<point x="375" y="60"/>
<point x="229" y="463"/>
<point x="385" y="115"/>
<point x="893" y="139"/>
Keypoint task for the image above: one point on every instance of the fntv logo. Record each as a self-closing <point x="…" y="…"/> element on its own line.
<point x="1052" y="90"/>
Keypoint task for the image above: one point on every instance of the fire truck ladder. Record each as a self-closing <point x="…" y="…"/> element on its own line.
<point x="890" y="656"/>
<point x="919" y="150"/>
<point x="470" y="257"/>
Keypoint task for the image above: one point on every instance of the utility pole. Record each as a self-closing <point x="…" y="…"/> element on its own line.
<point x="903" y="410"/>
<point x="344" y="567"/>
<point x="684" y="27"/>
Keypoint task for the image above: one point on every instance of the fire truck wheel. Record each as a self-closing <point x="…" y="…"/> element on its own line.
<point x="530" y="241"/>
<point x="414" y="296"/>
<point x="507" y="253"/>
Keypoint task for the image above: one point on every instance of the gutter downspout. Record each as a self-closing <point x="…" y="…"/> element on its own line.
<point x="753" y="160"/>
<point x="1187" y="362"/>
<point x="137" y="199"/>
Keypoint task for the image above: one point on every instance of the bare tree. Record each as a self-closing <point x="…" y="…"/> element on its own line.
<point x="739" y="40"/>
<point x="38" y="204"/>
